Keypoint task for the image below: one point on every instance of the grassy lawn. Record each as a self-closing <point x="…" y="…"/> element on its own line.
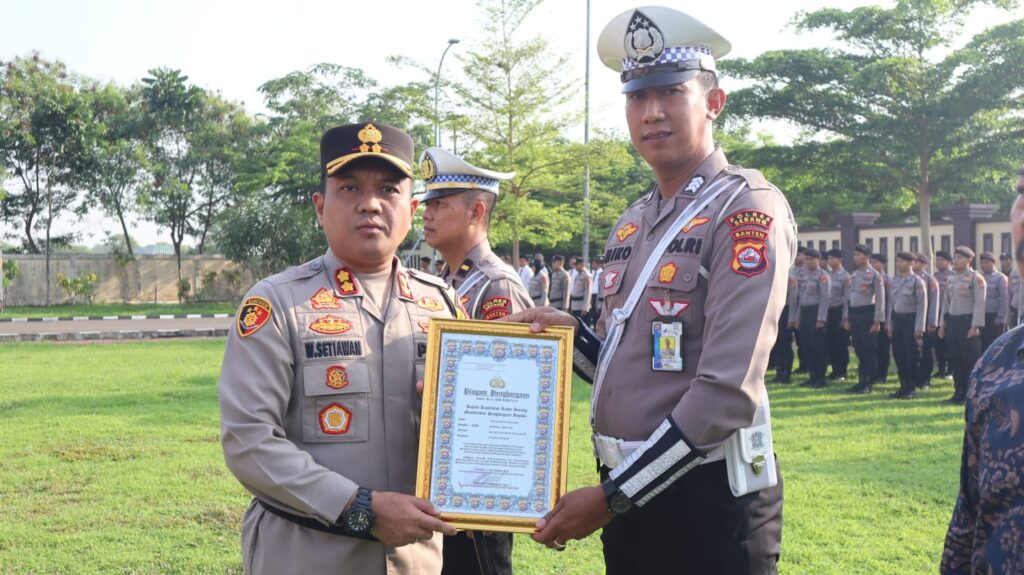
<point x="102" y="309"/>
<point x="111" y="464"/>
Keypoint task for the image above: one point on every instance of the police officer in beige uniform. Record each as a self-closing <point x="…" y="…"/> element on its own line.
<point x="716" y="240"/>
<point x="943" y="271"/>
<point x="962" y="319"/>
<point x="558" y="291"/>
<point x="1013" y="276"/>
<point x="867" y="311"/>
<point x="997" y="300"/>
<point x="908" y="316"/>
<point x="808" y="313"/>
<point x="537" y="287"/>
<point x="884" y="350"/>
<point x="579" y="295"/>
<point x="460" y="200"/>
<point x="318" y="400"/>
<point x="931" y="338"/>
<point x="836" y="329"/>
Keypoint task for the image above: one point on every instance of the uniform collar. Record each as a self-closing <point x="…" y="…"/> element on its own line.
<point x="710" y="167"/>
<point x="472" y="260"/>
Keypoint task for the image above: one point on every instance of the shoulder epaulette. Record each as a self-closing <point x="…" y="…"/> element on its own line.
<point x="308" y="269"/>
<point x="427" y="278"/>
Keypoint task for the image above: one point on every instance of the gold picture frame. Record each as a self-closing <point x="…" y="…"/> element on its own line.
<point x="492" y="432"/>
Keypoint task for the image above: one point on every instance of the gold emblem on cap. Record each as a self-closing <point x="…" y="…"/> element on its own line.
<point x="427" y="167"/>
<point x="372" y="136"/>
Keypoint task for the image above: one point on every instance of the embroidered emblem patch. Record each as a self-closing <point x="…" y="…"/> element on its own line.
<point x="749" y="258"/>
<point x="429" y="303"/>
<point x="346" y="282"/>
<point x="610" y="279"/>
<point x="335" y="419"/>
<point x="667" y="273"/>
<point x="330" y="325"/>
<point x="496" y="307"/>
<point x="695" y="223"/>
<point x="254" y="314"/>
<point x="750" y="218"/>
<point x="337" y="377"/>
<point x="424" y="326"/>
<point x="668" y="307"/>
<point x="325" y="299"/>
<point x="625" y="231"/>
<point x="694" y="185"/>
<point x="403" y="287"/>
<point x="749" y="234"/>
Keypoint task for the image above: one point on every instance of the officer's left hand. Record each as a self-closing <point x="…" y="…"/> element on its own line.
<point x="888" y="330"/>
<point x="973" y="333"/>
<point x="578" y="514"/>
<point x="918" y="335"/>
<point x="819" y="325"/>
<point x="540" y="318"/>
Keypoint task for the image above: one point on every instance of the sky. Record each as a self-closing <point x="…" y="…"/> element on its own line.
<point x="233" y="47"/>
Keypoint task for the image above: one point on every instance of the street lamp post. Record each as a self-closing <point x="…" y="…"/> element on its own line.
<point x="586" y="147"/>
<point x="437" y="91"/>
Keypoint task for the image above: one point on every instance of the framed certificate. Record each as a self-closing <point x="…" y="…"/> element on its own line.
<point x="495" y="423"/>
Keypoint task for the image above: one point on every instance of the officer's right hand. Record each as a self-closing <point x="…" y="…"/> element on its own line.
<point x="403" y="519"/>
<point x="942" y="332"/>
<point x="540" y="318"/>
<point x="846" y="325"/>
<point x="876" y="327"/>
<point x="973" y="332"/>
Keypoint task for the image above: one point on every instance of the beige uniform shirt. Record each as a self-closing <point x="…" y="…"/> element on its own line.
<point x="909" y="295"/>
<point x="812" y="290"/>
<point x="538" y="289"/>
<point x="317" y="397"/>
<point x="725" y="278"/>
<point x="579" y="295"/>
<point x="866" y="288"/>
<point x="997" y="299"/>
<point x="932" y="287"/>
<point x="943" y="278"/>
<point x="558" y="292"/>
<point x="965" y="295"/>
<point x="840" y="282"/>
<point x="487" y="287"/>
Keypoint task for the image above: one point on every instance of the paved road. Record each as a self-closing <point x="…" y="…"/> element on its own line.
<point x="114" y="329"/>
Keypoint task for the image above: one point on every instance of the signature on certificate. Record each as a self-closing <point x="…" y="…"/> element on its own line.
<point x="485" y="477"/>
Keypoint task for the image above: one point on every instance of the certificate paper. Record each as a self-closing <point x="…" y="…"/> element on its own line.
<point x="495" y="423"/>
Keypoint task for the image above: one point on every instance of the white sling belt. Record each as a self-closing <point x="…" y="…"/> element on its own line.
<point x="611" y="450"/>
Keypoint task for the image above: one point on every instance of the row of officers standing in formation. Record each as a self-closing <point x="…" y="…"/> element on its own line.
<point x="922" y="320"/>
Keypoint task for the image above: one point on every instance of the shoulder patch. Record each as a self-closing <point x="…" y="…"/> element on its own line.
<point x="750" y="258"/>
<point x="254" y="314"/>
<point x="496" y="307"/>
<point x="749" y="218"/>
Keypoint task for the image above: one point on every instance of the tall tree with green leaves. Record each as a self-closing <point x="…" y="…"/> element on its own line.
<point x="922" y="115"/>
<point x="517" y="97"/>
<point x="46" y="128"/>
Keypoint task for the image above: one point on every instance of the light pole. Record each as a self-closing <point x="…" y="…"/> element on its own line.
<point x="586" y="147"/>
<point x="437" y="91"/>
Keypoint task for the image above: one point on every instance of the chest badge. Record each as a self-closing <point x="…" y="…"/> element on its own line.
<point x="337" y="377"/>
<point x="330" y="325"/>
<point x="429" y="303"/>
<point x="667" y="307"/>
<point x="625" y="231"/>
<point x="695" y="223"/>
<point x="667" y="273"/>
<point x="609" y="280"/>
<point x="335" y="419"/>
<point x="324" y="299"/>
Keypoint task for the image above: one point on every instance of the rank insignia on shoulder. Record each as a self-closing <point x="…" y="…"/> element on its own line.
<point x="750" y="218"/>
<point x="749" y="258"/>
<point x="403" y="287"/>
<point x="335" y="419"/>
<point x="667" y="273"/>
<point x="625" y="231"/>
<point x="496" y="307"/>
<point x="429" y="303"/>
<point x="325" y="299"/>
<point x="346" y="282"/>
<point x="330" y="325"/>
<point x="254" y="314"/>
<point x="694" y="185"/>
<point x="337" y="377"/>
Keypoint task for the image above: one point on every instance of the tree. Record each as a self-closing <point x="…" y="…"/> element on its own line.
<point x="515" y="93"/>
<point x="46" y="129"/>
<point x="916" y="122"/>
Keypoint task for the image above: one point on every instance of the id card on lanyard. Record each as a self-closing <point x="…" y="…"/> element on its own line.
<point x="667" y="344"/>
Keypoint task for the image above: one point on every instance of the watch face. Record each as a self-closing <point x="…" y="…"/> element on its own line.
<point x="358" y="521"/>
<point x="619" y="503"/>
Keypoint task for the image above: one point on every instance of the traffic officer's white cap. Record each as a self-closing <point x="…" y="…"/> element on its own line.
<point x="445" y="173"/>
<point x="658" y="46"/>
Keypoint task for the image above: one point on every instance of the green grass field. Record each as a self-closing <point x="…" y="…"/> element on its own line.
<point x="110" y="463"/>
<point x="102" y="309"/>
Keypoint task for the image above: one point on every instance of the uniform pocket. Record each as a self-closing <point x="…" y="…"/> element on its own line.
<point x="336" y="402"/>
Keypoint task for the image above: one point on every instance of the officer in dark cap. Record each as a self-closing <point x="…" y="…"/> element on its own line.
<point x="997" y="300"/>
<point x="808" y="314"/>
<point x="1010" y="270"/>
<point x="867" y="309"/>
<point x="460" y="200"/>
<point x="879" y="261"/>
<point x="931" y="338"/>
<point x="943" y="271"/>
<point x="836" y="331"/>
<point x="797" y="275"/>
<point x="558" y="292"/>
<point x="317" y="391"/>
<point x="962" y="320"/>
<point x="906" y="323"/>
<point x="425" y="262"/>
<point x="782" y="351"/>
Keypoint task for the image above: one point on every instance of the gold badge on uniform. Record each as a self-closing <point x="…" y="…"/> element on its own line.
<point x="667" y="273"/>
<point x="370" y="137"/>
<point x="337" y="377"/>
<point x="325" y="299"/>
<point x="254" y="314"/>
<point x="403" y="287"/>
<point x="346" y="282"/>
<point x="335" y="419"/>
<point x="695" y="223"/>
<point x="625" y="231"/>
<point x="330" y="325"/>
<point x="429" y="303"/>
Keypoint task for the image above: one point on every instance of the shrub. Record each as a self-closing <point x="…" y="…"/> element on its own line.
<point x="83" y="286"/>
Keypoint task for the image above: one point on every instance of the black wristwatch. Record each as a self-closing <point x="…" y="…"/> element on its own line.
<point x="359" y="519"/>
<point x="618" y="502"/>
